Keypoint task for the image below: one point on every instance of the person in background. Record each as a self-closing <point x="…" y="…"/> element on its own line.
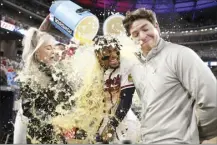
<point x="177" y="90"/>
<point x="3" y="76"/>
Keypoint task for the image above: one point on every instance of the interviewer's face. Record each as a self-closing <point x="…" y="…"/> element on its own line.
<point x="145" y="33"/>
<point x="45" y="54"/>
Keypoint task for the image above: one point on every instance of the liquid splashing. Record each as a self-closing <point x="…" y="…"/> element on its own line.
<point x="71" y="96"/>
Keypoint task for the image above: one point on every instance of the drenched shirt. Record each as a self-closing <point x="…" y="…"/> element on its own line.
<point x="39" y="106"/>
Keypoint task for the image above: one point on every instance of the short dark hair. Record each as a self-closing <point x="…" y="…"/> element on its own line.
<point x="140" y="13"/>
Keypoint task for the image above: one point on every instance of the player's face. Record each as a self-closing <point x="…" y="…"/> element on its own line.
<point x="109" y="57"/>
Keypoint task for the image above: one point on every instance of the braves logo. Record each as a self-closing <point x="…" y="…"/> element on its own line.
<point x="113" y="81"/>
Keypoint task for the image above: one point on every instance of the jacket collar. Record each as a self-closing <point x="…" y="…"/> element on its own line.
<point x="154" y="51"/>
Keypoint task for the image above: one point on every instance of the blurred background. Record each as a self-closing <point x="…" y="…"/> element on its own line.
<point x="192" y="23"/>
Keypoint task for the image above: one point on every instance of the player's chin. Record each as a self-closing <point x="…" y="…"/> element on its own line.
<point x="114" y="65"/>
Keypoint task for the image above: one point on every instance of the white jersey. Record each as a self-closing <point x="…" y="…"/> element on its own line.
<point x="120" y="78"/>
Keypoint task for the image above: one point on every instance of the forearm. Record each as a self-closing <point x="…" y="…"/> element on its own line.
<point x="45" y="25"/>
<point x="124" y="106"/>
<point x="122" y="109"/>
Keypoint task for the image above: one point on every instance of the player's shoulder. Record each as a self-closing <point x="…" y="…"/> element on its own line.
<point x="127" y="61"/>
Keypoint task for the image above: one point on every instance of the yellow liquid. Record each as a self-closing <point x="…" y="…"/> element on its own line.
<point x="88" y="110"/>
<point x="86" y="30"/>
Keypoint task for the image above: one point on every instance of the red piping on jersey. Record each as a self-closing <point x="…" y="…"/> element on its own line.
<point x="126" y="86"/>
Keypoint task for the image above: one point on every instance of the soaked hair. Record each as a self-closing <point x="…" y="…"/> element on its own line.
<point x="33" y="40"/>
<point x="103" y="42"/>
<point x="140" y="13"/>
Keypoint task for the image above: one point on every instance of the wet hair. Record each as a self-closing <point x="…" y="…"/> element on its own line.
<point x="103" y="42"/>
<point x="140" y="13"/>
<point x="33" y="40"/>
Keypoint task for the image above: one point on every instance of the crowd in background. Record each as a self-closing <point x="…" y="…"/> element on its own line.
<point x="181" y="24"/>
<point x="20" y="25"/>
<point x="193" y="38"/>
<point x="13" y="21"/>
<point x="36" y="10"/>
<point x="9" y="70"/>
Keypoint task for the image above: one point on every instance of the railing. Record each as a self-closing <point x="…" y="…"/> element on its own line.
<point x="198" y="28"/>
<point x="26" y="9"/>
<point x="198" y="42"/>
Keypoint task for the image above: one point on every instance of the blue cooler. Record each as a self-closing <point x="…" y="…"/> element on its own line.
<point x="73" y="20"/>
